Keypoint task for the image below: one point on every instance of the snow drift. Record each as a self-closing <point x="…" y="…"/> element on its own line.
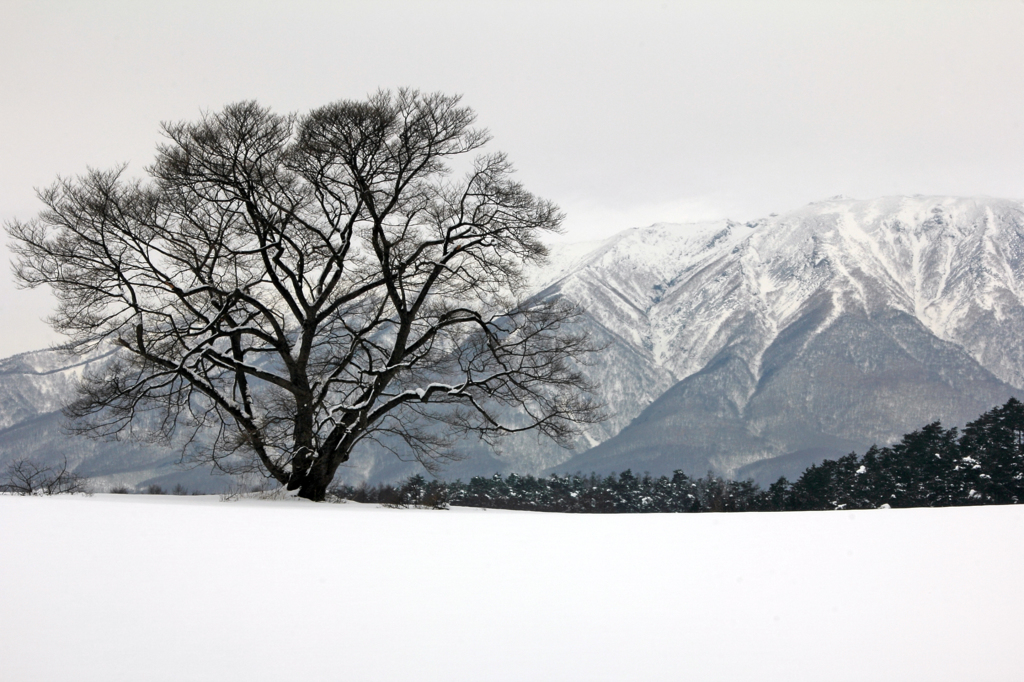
<point x="144" y="587"/>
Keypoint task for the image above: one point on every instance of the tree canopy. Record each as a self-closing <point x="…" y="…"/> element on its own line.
<point x="282" y="288"/>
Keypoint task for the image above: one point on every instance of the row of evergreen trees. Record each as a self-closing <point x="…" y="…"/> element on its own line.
<point x="931" y="467"/>
<point x="624" y="492"/>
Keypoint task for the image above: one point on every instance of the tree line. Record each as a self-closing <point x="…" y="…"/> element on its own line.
<point x="930" y="467"/>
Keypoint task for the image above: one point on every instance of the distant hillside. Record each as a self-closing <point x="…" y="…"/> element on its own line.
<point x="33" y="387"/>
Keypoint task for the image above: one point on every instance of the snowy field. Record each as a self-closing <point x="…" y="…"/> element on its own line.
<point x="118" y="587"/>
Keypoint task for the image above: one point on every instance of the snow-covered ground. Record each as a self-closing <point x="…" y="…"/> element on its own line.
<point x="118" y="587"/>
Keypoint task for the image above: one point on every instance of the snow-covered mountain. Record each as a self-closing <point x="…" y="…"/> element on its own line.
<point x="751" y="349"/>
<point x="811" y="333"/>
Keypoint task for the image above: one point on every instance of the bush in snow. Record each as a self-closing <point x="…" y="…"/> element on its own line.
<point x="28" y="477"/>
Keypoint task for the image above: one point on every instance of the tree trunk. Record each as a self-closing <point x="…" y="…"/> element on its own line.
<point x="314" y="487"/>
<point x="320" y="475"/>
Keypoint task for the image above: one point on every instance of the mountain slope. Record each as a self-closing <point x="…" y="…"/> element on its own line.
<point x="34" y="386"/>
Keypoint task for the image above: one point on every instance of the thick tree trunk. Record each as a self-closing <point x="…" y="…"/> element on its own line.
<point x="314" y="488"/>
<point x="318" y="479"/>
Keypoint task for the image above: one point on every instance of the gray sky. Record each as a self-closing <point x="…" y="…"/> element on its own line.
<point x="623" y="113"/>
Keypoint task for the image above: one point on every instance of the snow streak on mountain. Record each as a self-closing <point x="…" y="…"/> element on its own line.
<point x="749" y="349"/>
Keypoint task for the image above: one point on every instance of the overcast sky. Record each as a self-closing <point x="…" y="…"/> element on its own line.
<point x="623" y="113"/>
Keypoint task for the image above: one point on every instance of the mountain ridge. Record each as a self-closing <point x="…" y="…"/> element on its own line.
<point x="749" y="287"/>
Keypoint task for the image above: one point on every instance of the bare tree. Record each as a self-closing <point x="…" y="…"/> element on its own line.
<point x="300" y="284"/>
<point x="27" y="477"/>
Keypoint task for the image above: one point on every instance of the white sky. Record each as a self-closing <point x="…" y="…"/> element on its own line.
<point x="623" y="113"/>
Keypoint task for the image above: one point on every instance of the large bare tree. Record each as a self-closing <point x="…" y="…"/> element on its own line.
<point x="290" y="286"/>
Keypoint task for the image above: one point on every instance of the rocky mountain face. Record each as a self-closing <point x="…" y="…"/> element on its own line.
<point x="749" y="349"/>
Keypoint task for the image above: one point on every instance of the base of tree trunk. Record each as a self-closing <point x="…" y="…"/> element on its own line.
<point x="314" y="488"/>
